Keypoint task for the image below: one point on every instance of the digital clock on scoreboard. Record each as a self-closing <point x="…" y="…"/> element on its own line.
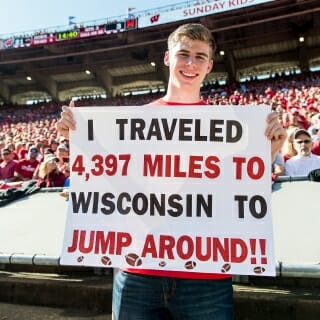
<point x="67" y="35"/>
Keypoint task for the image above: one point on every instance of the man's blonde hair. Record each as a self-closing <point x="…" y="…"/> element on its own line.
<point x="193" y="31"/>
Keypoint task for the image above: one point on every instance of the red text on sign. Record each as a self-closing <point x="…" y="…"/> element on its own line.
<point x="99" y="242"/>
<point x="109" y="165"/>
<point x="233" y="250"/>
<point x="171" y="166"/>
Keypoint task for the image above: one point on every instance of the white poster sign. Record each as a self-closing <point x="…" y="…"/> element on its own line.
<point x="171" y="188"/>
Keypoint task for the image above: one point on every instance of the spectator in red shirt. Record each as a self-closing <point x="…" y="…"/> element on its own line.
<point x="53" y="145"/>
<point x="2" y="146"/>
<point x="7" y="166"/>
<point x="316" y="137"/>
<point x="62" y="153"/>
<point x="25" y="168"/>
<point x="12" y="148"/>
<point x="316" y="147"/>
<point x="23" y="152"/>
<point x="269" y="92"/>
<point x="295" y="119"/>
<point x="49" y="174"/>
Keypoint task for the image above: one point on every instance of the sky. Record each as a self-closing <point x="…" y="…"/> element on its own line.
<point x="28" y="15"/>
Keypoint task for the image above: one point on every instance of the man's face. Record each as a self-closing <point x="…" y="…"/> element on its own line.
<point x="303" y="145"/>
<point x="189" y="62"/>
<point x="33" y="152"/>
<point x="6" y="155"/>
<point x="294" y="117"/>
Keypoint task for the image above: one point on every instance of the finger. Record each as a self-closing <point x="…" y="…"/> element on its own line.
<point x="272" y="116"/>
<point x="71" y="104"/>
<point x="275" y="131"/>
<point x="277" y="141"/>
<point x="270" y="129"/>
<point x="67" y="122"/>
<point x="67" y="118"/>
<point x="62" y="129"/>
<point x="66" y="109"/>
<point x="274" y="128"/>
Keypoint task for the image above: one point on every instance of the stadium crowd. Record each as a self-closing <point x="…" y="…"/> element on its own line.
<point x="30" y="147"/>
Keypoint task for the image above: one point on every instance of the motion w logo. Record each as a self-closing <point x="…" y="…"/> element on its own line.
<point x="155" y="18"/>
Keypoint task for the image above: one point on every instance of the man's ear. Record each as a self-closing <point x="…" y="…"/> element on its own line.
<point x="166" y="59"/>
<point x="210" y="66"/>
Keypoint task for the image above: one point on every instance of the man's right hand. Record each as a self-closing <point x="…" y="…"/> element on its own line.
<point x="66" y="122"/>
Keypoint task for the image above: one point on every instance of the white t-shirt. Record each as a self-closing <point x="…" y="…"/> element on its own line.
<point x="301" y="166"/>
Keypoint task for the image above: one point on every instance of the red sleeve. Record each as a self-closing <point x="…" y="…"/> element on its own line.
<point x="58" y="180"/>
<point x="17" y="167"/>
<point x="316" y="147"/>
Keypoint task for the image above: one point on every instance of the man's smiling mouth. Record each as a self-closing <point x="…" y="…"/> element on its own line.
<point x="189" y="75"/>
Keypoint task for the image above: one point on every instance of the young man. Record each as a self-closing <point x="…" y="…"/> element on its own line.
<point x="154" y="294"/>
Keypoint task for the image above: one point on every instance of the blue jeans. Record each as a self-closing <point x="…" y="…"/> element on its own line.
<point x="139" y="297"/>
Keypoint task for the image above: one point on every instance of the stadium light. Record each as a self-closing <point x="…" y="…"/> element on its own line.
<point x="28" y="78"/>
<point x="301" y="39"/>
<point x="153" y="63"/>
<point x="221" y="52"/>
<point x="87" y="72"/>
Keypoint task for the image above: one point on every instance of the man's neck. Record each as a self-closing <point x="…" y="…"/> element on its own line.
<point x="182" y="95"/>
<point x="305" y="155"/>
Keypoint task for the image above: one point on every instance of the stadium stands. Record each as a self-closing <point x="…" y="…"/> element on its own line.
<point x="295" y="97"/>
<point x="295" y="92"/>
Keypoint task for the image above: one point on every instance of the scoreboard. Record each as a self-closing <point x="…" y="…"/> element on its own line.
<point x="73" y="33"/>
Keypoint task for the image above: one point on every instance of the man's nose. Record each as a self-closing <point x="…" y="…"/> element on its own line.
<point x="190" y="60"/>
